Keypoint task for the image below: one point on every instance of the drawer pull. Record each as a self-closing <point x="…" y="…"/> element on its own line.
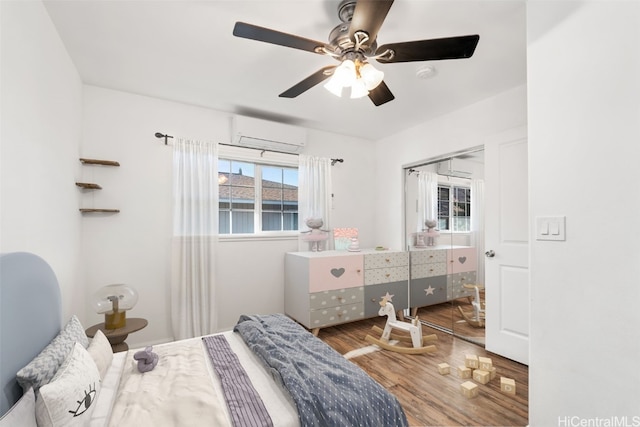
<point x="358" y="271"/>
<point x="387" y="260"/>
<point x="387" y="275"/>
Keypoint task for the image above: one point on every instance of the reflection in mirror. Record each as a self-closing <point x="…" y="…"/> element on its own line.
<point x="444" y="204"/>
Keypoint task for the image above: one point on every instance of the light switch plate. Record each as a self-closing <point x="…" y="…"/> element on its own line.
<point x="550" y="228"/>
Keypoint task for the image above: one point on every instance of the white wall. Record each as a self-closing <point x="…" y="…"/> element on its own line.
<point x="584" y="115"/>
<point x="133" y="246"/>
<point x="453" y="132"/>
<point x="41" y="111"/>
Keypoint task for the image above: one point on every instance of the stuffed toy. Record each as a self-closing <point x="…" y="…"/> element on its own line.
<point x="147" y="359"/>
<point x="432" y="233"/>
<point x="316" y="235"/>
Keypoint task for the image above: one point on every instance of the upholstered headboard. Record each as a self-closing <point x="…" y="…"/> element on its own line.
<point x="30" y="317"/>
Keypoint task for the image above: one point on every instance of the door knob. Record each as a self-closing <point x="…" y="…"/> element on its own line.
<point x="490" y="253"/>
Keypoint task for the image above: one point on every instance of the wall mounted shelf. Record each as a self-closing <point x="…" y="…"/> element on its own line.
<point x="88" y="185"/>
<point x="99" y="210"/>
<point x="99" y="162"/>
<point x="93" y="186"/>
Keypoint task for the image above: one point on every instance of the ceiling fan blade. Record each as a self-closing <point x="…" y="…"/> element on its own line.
<point x="428" y="50"/>
<point x="381" y="94"/>
<point x="368" y="16"/>
<point x="306" y="84"/>
<point x="254" y="32"/>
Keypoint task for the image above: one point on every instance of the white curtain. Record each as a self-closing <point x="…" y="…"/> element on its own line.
<point x="427" y="198"/>
<point x="314" y="194"/>
<point x="195" y="235"/>
<point x="477" y="224"/>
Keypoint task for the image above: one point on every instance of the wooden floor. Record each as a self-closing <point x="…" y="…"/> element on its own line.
<point x="431" y="399"/>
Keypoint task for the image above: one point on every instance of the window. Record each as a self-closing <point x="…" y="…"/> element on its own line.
<point x="454" y="208"/>
<point x="256" y="196"/>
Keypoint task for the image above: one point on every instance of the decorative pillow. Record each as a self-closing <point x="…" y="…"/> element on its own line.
<point x="44" y="366"/>
<point x="23" y="413"/>
<point x="101" y="352"/>
<point x="68" y="399"/>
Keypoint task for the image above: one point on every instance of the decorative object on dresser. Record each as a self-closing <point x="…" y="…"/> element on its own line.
<point x="316" y="236"/>
<point x="342" y="237"/>
<point x="333" y="287"/>
<point x="414" y="328"/>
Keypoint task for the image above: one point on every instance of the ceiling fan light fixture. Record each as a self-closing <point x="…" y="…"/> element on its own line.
<point x="359" y="89"/>
<point x="372" y="76"/>
<point x="334" y="87"/>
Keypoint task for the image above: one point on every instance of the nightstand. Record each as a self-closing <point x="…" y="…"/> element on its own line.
<point x="117" y="337"/>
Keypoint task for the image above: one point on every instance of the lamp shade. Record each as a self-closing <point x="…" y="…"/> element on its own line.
<point x="113" y="301"/>
<point x="372" y="77"/>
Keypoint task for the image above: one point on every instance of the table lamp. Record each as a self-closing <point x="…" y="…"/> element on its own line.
<point x="114" y="301"/>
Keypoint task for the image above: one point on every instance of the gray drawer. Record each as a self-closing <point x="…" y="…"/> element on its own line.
<point x="386" y="259"/>
<point x="336" y="315"/>
<point x="386" y="275"/>
<point x="428" y="291"/>
<point x="324" y="299"/>
<point x="428" y="270"/>
<point x="428" y="256"/>
<point x="373" y="295"/>
<point x="455" y="282"/>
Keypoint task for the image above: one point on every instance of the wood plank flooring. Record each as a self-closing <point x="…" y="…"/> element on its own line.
<point x="431" y="399"/>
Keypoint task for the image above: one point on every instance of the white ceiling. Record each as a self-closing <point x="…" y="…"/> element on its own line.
<point x="184" y="51"/>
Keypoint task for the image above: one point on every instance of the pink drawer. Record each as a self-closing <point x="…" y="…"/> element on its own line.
<point x="327" y="273"/>
<point x="462" y="260"/>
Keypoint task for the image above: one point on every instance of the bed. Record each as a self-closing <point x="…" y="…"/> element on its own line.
<point x="267" y="371"/>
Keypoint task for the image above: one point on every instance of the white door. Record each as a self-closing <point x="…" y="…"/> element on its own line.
<point x="507" y="245"/>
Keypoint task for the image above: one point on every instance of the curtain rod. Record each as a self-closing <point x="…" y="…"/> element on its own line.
<point x="166" y="137"/>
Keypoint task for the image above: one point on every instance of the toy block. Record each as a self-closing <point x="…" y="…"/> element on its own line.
<point x="464" y="372"/>
<point x="485" y="363"/>
<point x="469" y="389"/>
<point x="492" y="373"/>
<point x="444" y="368"/>
<point x="481" y="376"/>
<point x="508" y="385"/>
<point x="471" y="361"/>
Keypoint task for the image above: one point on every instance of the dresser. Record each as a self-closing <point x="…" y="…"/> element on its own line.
<point x="438" y="274"/>
<point x="333" y="287"/>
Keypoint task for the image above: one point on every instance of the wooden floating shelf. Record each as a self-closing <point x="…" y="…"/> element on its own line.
<point x="99" y="162"/>
<point x="99" y="210"/>
<point x="88" y="185"/>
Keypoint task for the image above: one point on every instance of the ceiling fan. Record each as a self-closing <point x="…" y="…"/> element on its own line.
<point x="354" y="43"/>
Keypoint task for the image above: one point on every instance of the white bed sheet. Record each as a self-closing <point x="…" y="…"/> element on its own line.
<point x="281" y="408"/>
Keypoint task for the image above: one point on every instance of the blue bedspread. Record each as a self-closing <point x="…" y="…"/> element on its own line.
<point x="327" y="389"/>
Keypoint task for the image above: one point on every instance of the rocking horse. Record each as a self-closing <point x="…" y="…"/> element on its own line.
<point x="476" y="319"/>
<point x="414" y="329"/>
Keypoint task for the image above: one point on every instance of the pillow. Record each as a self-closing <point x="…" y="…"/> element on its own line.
<point x="68" y="399"/>
<point x="44" y="366"/>
<point x="23" y="413"/>
<point x="101" y="352"/>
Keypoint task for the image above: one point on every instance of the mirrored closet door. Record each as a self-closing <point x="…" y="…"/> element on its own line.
<point x="444" y="232"/>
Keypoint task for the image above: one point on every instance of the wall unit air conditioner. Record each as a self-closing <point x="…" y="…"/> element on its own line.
<point x="266" y="135"/>
<point x="455" y="167"/>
